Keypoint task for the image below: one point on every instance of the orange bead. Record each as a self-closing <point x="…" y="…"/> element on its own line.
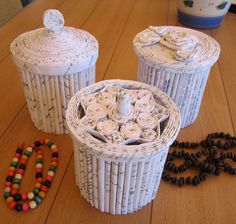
<point x="39" y="156"/>
<point x="46" y="140"/>
<point x="9" y="199"/>
<point x="42" y="194"/>
<point x="12" y="168"/>
<point x="42" y="141"/>
<point x="37" y="185"/>
<point x="24" y="157"/>
<point x="15" y="186"/>
<point x="54" y="163"/>
<point x="10" y="173"/>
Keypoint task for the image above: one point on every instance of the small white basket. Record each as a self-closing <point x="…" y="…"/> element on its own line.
<point x="116" y="176"/>
<point x="177" y="61"/>
<point x="54" y="63"/>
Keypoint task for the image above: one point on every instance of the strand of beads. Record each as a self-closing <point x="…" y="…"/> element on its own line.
<point x="15" y="173"/>
<point x="210" y="159"/>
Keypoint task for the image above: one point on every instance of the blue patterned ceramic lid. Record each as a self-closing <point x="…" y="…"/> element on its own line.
<point x="55" y="49"/>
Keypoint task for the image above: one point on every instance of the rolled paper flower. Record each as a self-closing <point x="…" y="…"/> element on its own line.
<point x="149" y="134"/>
<point x="188" y="56"/>
<point x="147" y="120"/>
<point x="145" y="105"/>
<point x="113" y="89"/>
<point x="119" y="118"/>
<point x="179" y="41"/>
<point x="161" y="31"/>
<point x="97" y="111"/>
<point x="116" y="138"/>
<point x="107" y="127"/>
<point x="160" y="112"/>
<point x="149" y="38"/>
<point x="130" y="130"/>
<point x="88" y="122"/>
<point x="132" y="95"/>
<point x="88" y="100"/>
<point x="107" y="98"/>
<point x="144" y="94"/>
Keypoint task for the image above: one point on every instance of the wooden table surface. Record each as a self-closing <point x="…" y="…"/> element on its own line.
<point x="114" y="24"/>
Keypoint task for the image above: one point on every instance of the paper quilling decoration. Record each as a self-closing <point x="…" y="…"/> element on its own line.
<point x="54" y="63"/>
<point x="121" y="132"/>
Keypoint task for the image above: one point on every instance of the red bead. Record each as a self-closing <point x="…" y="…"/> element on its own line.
<point x="10" y="173"/>
<point x="55" y="150"/>
<point x="20" y="171"/>
<point x="43" y="188"/>
<point x="23" y="161"/>
<point x="13" y="192"/>
<point x="32" y="146"/>
<point x="42" y="141"/>
<point x="25" y="207"/>
<point x="7" y="184"/>
<point x="24" y="196"/>
<point x="39" y="180"/>
<point x="21" y="147"/>
<point x="12" y="204"/>
<point x="49" y="178"/>
<point x="54" y="159"/>
<point x="17" y="155"/>
<point x="38" y="170"/>
<point x="39" y="152"/>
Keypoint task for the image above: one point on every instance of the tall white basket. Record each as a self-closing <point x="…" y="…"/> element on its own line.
<point x="177" y="61"/>
<point x="54" y="63"/>
<point x="120" y="142"/>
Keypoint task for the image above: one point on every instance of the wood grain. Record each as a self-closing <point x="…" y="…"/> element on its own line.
<point x="114" y="24"/>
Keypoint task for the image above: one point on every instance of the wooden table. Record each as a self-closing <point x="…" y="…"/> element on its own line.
<point x="114" y="23"/>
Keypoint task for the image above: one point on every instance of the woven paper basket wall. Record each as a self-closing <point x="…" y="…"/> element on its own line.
<point x="119" y="178"/>
<point x="54" y="63"/>
<point x="177" y="61"/>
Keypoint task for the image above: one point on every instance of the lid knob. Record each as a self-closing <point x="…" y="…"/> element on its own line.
<point x="123" y="104"/>
<point x="53" y="20"/>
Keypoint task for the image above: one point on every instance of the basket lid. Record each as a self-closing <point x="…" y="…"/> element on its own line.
<point x="176" y="47"/>
<point x="55" y="49"/>
<point x="120" y="119"/>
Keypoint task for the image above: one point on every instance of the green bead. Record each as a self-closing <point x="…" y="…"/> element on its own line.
<point x="38" y="199"/>
<point x="52" y="168"/>
<point x="50" y="144"/>
<point x="7" y="194"/>
<point x="39" y="161"/>
<point x="16" y="181"/>
<point x="36" y="191"/>
<point x="14" y="164"/>
<point x="27" y="153"/>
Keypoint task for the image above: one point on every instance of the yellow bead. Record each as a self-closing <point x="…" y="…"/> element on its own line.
<point x="37" y="185"/>
<point x="18" y="176"/>
<point x="53" y="146"/>
<point x="30" y="195"/>
<point x="15" y="159"/>
<point x="7" y="189"/>
<point x="32" y="204"/>
<point x="9" y="199"/>
<point x="39" y="165"/>
<point x="15" y="186"/>
<point x="51" y="173"/>
<point x="29" y="149"/>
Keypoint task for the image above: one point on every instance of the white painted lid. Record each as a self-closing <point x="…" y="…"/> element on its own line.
<point x="176" y="47"/>
<point x="55" y="49"/>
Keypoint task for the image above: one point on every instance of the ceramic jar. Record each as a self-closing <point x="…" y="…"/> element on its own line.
<point x="54" y="62"/>
<point x="202" y="13"/>
<point x="177" y="61"/>
<point x="121" y="132"/>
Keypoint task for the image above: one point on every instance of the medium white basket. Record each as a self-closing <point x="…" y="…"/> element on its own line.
<point x="54" y="63"/>
<point x="119" y="178"/>
<point x="179" y="67"/>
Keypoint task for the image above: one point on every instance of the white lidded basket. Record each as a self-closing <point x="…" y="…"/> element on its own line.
<point x="177" y="61"/>
<point x="54" y="62"/>
<point x="121" y="133"/>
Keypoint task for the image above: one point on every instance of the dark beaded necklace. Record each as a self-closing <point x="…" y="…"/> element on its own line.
<point x="17" y="169"/>
<point x="208" y="160"/>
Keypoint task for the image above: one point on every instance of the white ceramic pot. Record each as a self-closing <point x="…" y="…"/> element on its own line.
<point x="202" y="13"/>
<point x="121" y="132"/>
<point x="178" y="61"/>
<point x="54" y="63"/>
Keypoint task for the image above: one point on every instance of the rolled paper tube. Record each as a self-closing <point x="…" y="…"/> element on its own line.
<point x="144" y="94"/>
<point x="149" y="38"/>
<point x="97" y="111"/>
<point x="149" y="134"/>
<point x="113" y="89"/>
<point x="145" y="105"/>
<point x="130" y="130"/>
<point x="107" y="98"/>
<point x="88" y="100"/>
<point x="161" y="31"/>
<point x="88" y="122"/>
<point x="115" y="138"/>
<point x="147" y="120"/>
<point x="107" y="127"/>
<point x="123" y="104"/>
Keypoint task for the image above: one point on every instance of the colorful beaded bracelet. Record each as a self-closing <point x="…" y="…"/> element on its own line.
<point x="15" y="173"/>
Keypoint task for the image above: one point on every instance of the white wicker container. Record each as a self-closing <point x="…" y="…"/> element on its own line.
<point x="178" y="61"/>
<point x="54" y="63"/>
<point x="120" y="150"/>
